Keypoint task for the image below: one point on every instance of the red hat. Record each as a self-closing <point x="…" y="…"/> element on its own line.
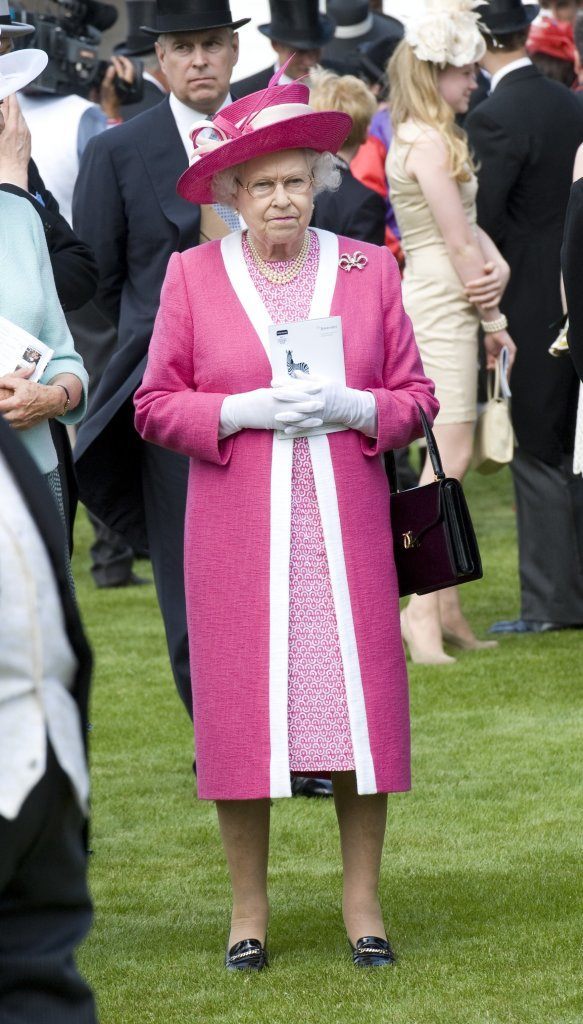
<point x="555" y="38"/>
<point x="268" y="121"/>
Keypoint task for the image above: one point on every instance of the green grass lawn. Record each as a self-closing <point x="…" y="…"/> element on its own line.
<point x="482" y="867"/>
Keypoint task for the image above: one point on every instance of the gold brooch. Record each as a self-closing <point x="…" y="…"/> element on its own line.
<point x="357" y="260"/>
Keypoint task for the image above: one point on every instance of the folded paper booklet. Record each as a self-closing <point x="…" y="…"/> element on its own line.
<point x="19" y="350"/>
<point x="313" y="347"/>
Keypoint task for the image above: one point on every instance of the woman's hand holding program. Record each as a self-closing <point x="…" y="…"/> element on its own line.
<point x="24" y="403"/>
<point x="272" y="408"/>
<point x="494" y="343"/>
<point x="337" y="404"/>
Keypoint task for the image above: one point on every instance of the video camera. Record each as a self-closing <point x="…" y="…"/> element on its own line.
<point x="71" y="42"/>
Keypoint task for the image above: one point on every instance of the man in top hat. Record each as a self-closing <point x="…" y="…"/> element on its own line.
<point x="296" y="27"/>
<point x="357" y="26"/>
<point x="524" y="137"/>
<point x="126" y="207"/>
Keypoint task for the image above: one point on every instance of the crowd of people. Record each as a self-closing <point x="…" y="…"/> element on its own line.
<point x="401" y="192"/>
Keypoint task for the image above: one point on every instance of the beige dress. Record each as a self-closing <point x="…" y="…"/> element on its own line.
<point x="445" y="323"/>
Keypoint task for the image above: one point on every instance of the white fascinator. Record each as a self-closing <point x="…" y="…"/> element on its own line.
<point x="446" y="32"/>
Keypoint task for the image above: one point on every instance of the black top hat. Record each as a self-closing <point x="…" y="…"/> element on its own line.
<point x="357" y="24"/>
<point x="504" y="16"/>
<point x="191" y="16"/>
<point x="375" y="56"/>
<point x="9" y="27"/>
<point x="139" y="12"/>
<point x="298" y="24"/>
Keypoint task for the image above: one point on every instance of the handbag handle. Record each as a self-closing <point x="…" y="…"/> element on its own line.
<point x="432" y="451"/>
<point x="500" y="386"/>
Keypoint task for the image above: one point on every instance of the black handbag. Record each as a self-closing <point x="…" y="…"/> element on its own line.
<point x="433" y="537"/>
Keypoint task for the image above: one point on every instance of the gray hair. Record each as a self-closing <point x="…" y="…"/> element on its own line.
<point x="322" y="168"/>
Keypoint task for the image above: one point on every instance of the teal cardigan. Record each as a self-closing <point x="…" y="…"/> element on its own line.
<point x="29" y="298"/>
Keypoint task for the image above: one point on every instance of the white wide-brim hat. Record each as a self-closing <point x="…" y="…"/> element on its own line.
<point x="19" y="69"/>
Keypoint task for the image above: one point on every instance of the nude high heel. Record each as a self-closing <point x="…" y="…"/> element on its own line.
<point x="468" y="645"/>
<point x="416" y="652"/>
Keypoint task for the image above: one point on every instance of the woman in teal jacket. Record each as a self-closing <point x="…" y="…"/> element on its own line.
<point x="28" y="299"/>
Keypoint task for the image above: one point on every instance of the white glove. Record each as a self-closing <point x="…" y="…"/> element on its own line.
<point x="337" y="404"/>
<point x="269" y="409"/>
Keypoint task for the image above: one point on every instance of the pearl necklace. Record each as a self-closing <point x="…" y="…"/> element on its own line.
<point x="280" y="276"/>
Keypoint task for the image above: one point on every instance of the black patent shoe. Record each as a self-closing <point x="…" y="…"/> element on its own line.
<point x="306" y="785"/>
<point x="247" y="955"/>
<point x="372" y="952"/>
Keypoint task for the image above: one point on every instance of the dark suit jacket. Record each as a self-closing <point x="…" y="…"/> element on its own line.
<point x="255" y="82"/>
<point x="152" y="96"/>
<point x="572" y="261"/>
<point x="126" y="207"/>
<point x="354" y="211"/>
<point x="42" y="507"/>
<point x="525" y="136"/>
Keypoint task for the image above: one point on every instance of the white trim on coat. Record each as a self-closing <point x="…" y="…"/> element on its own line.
<point x="280" y="539"/>
<point x="280" y="535"/>
<point x="330" y="516"/>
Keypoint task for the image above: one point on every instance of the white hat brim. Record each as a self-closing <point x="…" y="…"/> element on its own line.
<point x="20" y="68"/>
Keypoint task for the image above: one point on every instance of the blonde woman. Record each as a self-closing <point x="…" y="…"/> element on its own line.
<point x="455" y="276"/>
<point x="353" y="209"/>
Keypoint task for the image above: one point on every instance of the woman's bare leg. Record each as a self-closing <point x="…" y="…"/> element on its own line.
<point x="426" y="616"/>
<point x="244" y="826"/>
<point x="362" y="821"/>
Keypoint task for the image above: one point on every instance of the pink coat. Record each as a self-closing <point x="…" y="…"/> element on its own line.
<point x="210" y="340"/>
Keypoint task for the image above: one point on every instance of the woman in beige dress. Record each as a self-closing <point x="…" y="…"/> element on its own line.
<point x="454" y="276"/>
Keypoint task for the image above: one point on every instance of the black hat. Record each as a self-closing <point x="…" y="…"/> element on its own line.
<point x="504" y="16"/>
<point x="8" y="26"/>
<point x="357" y="24"/>
<point x="191" y="16"/>
<point x="375" y="56"/>
<point x="138" y="42"/>
<point x="299" y="24"/>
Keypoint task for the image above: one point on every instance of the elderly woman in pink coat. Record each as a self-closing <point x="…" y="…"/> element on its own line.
<point x="292" y="597"/>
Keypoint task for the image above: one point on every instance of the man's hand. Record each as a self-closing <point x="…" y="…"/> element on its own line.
<point x="109" y="101"/>
<point x="14" y="145"/>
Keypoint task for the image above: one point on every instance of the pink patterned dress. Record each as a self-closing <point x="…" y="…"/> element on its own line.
<point x="318" y="724"/>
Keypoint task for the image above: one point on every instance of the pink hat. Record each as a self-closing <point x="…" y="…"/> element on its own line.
<point x="268" y="121"/>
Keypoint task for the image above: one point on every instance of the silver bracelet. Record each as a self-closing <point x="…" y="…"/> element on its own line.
<point x="493" y="326"/>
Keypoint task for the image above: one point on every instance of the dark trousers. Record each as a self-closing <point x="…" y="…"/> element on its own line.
<point x="112" y="559"/>
<point x="549" y="505"/>
<point x="164" y="482"/>
<point x="45" y="908"/>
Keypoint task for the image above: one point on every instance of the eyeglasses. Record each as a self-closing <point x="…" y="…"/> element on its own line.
<point x="294" y="185"/>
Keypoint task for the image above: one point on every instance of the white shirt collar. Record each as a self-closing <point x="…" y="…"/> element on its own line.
<point x="185" y="117"/>
<point x="522" y="62"/>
